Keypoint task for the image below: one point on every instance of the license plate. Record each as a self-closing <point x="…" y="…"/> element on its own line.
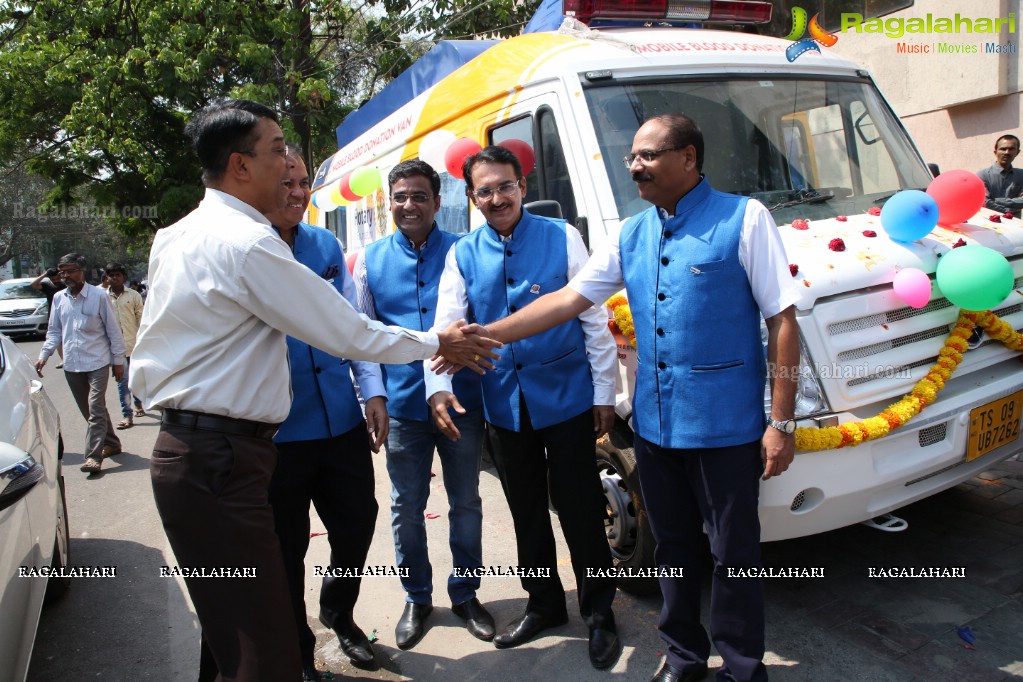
<point x="11" y="323"/>
<point x="994" y="425"/>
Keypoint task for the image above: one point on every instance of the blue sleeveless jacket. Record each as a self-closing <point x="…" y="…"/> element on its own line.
<point x="551" y="369"/>
<point x="403" y="282"/>
<point x="701" y="368"/>
<point x="324" y="403"/>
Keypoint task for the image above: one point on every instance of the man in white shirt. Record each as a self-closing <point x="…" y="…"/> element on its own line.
<point x="225" y="291"/>
<point x="84" y="322"/>
<point x="127" y="305"/>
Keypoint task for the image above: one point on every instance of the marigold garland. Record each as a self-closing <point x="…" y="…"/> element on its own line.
<point x="923" y="394"/>
<point x="619" y="306"/>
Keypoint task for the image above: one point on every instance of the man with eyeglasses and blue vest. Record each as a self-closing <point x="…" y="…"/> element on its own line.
<point x="546" y="402"/>
<point x="701" y="268"/>
<point x="396" y="279"/>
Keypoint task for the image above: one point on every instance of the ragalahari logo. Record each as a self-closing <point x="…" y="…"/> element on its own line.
<point x="803" y="45"/>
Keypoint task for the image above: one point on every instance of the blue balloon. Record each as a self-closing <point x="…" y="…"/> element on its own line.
<point x="909" y="215"/>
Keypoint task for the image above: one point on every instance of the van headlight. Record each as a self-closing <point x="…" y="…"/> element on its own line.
<point x="810" y="399"/>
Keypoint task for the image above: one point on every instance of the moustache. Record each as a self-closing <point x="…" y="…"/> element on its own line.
<point x="641" y="177"/>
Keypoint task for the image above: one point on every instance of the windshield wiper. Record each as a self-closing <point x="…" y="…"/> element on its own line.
<point x="810" y="197"/>
<point x="885" y="197"/>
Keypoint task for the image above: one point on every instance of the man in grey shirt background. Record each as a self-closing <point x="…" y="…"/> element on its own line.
<point x="1004" y="184"/>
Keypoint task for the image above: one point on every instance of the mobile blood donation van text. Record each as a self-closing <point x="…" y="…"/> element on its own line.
<point x="812" y="139"/>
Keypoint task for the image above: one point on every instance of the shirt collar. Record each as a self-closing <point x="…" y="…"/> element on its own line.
<point x="215" y="196"/>
<point x="407" y="243"/>
<point x="688" y="200"/>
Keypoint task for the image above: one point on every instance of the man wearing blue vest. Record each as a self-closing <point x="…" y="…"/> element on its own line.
<point x="700" y="268"/>
<point x="396" y="279"/>
<point x="324" y="447"/>
<point x="547" y="400"/>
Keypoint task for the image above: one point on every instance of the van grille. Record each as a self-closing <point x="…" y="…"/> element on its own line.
<point x="867" y="358"/>
<point x="23" y="312"/>
<point x="932" y="434"/>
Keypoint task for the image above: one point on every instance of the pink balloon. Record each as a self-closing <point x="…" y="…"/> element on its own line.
<point x="524" y="152"/>
<point x="457" y="153"/>
<point x="959" y="195"/>
<point x="913" y="286"/>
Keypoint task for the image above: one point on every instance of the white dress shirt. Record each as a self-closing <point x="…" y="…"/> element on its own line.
<point x="225" y="290"/>
<point x="453" y="305"/>
<point x="368" y="375"/>
<point x="761" y="253"/>
<point x="87" y="326"/>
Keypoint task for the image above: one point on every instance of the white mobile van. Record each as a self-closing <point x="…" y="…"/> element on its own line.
<point x="813" y="140"/>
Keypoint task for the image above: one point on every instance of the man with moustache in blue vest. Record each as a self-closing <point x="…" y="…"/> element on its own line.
<point x="701" y="268"/>
<point x="396" y="278"/>
<point x="324" y="446"/>
<point x="546" y="402"/>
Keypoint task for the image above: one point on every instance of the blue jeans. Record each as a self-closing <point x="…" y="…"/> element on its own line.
<point x="124" y="394"/>
<point x="410" y="447"/>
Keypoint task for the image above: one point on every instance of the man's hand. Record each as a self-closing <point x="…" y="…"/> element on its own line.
<point x="460" y="349"/>
<point x="39" y="367"/>
<point x="377" y="422"/>
<point x="776" y="450"/>
<point x="118" y="372"/>
<point x="603" y="419"/>
<point x="439" y="404"/>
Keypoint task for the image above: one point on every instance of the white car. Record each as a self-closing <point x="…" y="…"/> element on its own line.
<point x="23" y="310"/>
<point x="33" y="510"/>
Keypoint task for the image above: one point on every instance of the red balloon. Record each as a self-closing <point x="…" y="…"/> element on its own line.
<point x="346" y="188"/>
<point x="959" y="195"/>
<point x="524" y="152"/>
<point x="457" y="153"/>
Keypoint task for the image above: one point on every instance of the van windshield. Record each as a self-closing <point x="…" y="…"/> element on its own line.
<point x="805" y="148"/>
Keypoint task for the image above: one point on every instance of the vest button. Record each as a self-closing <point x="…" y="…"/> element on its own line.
<point x="422" y="260"/>
<point x="661" y="297"/>
<point x="422" y="310"/>
<point x="422" y="284"/>
<point x="518" y="366"/>
<point x="664" y="261"/>
<point x="508" y="252"/>
<point x="660" y="332"/>
<point x="511" y="280"/>
<point x="318" y="370"/>
<point x="667" y="234"/>
<point x="512" y="308"/>
<point x="661" y="365"/>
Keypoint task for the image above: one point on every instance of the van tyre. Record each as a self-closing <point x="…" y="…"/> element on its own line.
<point x="628" y="528"/>
<point x="57" y="585"/>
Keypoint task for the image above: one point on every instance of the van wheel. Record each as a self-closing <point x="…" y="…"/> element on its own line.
<point x="57" y="585"/>
<point x="626" y="523"/>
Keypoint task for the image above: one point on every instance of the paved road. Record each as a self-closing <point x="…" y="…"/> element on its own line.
<point x="844" y="626"/>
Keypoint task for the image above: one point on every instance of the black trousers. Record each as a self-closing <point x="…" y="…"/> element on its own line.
<point x="558" y="459"/>
<point x="683" y="491"/>
<point x="211" y="493"/>
<point x="336" y="476"/>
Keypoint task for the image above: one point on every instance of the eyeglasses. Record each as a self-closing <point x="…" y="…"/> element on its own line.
<point x="277" y="151"/>
<point x="506" y="189"/>
<point x="68" y="271"/>
<point x="417" y="198"/>
<point x="647" y="155"/>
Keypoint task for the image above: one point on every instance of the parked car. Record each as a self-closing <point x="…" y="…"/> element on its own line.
<point x="34" y="537"/>
<point x="23" y="310"/>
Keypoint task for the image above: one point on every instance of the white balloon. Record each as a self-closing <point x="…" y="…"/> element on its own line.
<point x="433" y="147"/>
<point x="322" y="200"/>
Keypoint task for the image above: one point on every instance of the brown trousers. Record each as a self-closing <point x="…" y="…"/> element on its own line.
<point x="211" y="492"/>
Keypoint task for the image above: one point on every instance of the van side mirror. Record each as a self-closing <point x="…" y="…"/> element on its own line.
<point x="583" y="225"/>
<point x="935" y="171"/>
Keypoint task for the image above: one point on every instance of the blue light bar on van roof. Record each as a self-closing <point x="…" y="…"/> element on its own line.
<point x="705" y="11"/>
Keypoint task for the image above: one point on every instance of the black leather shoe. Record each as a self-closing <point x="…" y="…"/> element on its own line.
<point x="605" y="647"/>
<point x="526" y="628"/>
<point x="310" y="673"/>
<point x="669" y="673"/>
<point x="478" y="620"/>
<point x="411" y="626"/>
<point x="354" y="643"/>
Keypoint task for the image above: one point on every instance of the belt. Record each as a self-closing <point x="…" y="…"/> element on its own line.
<point x="216" y="422"/>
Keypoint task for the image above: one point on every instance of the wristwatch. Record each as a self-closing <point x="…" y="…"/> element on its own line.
<point x="786" y="426"/>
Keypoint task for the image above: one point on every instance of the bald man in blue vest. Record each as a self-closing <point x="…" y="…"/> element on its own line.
<point x="325" y="447"/>
<point x="700" y="268"/>
<point x="546" y="402"/>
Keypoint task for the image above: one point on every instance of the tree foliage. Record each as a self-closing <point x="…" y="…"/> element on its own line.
<point x="94" y="94"/>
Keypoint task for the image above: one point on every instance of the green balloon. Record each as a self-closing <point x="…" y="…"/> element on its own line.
<point x="975" y="277"/>
<point x="365" y="181"/>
